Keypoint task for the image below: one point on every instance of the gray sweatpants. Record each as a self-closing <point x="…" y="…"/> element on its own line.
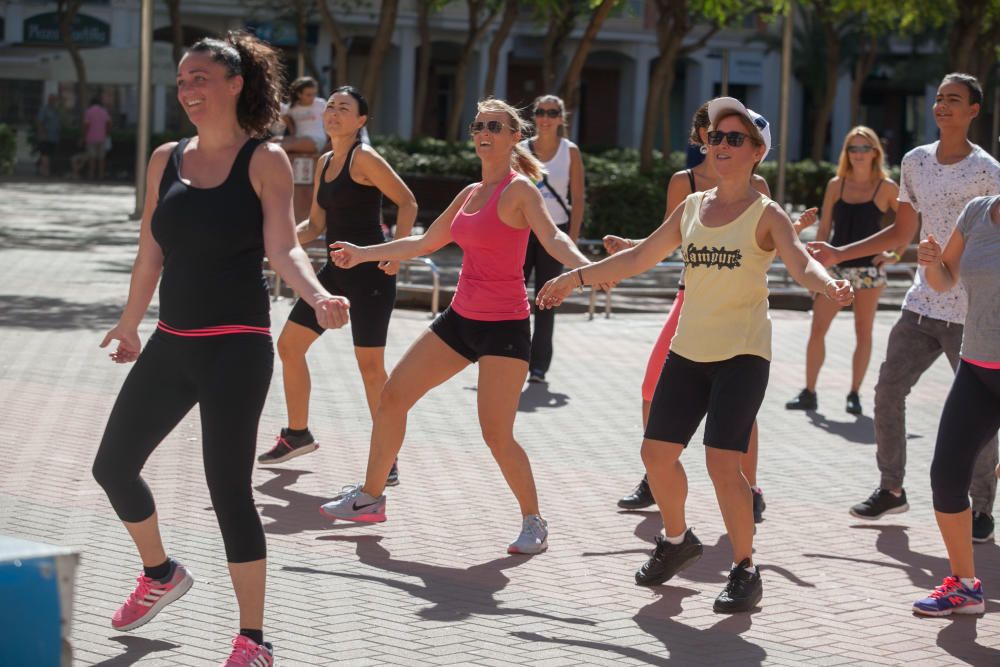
<point x="914" y="344"/>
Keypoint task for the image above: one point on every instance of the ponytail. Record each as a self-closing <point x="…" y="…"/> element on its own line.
<point x="263" y="75"/>
<point x="527" y="164"/>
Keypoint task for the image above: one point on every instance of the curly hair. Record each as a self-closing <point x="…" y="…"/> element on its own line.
<point x="257" y="62"/>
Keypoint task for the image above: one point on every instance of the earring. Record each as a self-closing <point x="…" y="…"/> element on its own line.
<point x="703" y="149"/>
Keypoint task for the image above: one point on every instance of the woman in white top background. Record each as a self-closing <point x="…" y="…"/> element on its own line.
<point x="304" y="118"/>
<point x="562" y="191"/>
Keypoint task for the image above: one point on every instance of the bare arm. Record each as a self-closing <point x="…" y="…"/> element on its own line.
<point x="521" y="199"/>
<point x="577" y="193"/>
<point x="776" y="229"/>
<point x="941" y="268"/>
<point x="345" y="255"/>
<point x="898" y="234"/>
<point x="377" y="172"/>
<point x="309" y="229"/>
<point x="677" y="190"/>
<point x="146" y="268"/>
<point x="826" y="214"/>
<point x="271" y="175"/>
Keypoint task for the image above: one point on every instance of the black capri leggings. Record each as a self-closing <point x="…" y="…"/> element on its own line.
<point x="969" y="421"/>
<point x="228" y="377"/>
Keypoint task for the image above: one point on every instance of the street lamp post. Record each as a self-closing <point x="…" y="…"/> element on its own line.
<point x="786" y="83"/>
<point x="145" y="103"/>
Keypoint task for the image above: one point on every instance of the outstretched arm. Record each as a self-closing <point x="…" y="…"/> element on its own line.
<point x="804" y="269"/>
<point x="525" y="199"/>
<point x="941" y="267"/>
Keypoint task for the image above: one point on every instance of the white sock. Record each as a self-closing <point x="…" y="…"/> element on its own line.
<point x="675" y="540"/>
<point x="968" y="582"/>
<point x="752" y="569"/>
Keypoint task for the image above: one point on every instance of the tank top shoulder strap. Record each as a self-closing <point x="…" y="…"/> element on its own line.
<point x="503" y="185"/>
<point x="326" y="166"/>
<point x="690" y="173"/>
<point x="242" y="163"/>
<point x="843" y="181"/>
<point x="172" y="170"/>
<point x="877" y="188"/>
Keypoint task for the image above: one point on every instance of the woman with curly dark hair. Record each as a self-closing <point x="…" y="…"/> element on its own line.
<point x="215" y="203"/>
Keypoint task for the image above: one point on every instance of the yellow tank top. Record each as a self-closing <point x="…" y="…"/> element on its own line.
<point x="725" y="310"/>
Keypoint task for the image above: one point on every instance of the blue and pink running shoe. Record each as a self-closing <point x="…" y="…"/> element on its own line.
<point x="952" y="597"/>
<point x="150" y="597"/>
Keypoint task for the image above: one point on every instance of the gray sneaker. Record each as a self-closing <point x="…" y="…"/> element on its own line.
<point x="534" y="537"/>
<point x="353" y="504"/>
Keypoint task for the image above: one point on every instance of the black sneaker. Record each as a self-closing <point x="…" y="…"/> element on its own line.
<point x="393" y="478"/>
<point x="536" y="375"/>
<point x="742" y="592"/>
<point x="853" y="403"/>
<point x="288" y="446"/>
<point x="668" y="559"/>
<point x="880" y="503"/>
<point x="982" y="527"/>
<point x="640" y="497"/>
<point x="806" y="400"/>
<point x="758" y="505"/>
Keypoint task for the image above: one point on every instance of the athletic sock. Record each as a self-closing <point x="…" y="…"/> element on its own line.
<point x="160" y="572"/>
<point x="297" y="431"/>
<point x="752" y="569"/>
<point x="968" y="582"/>
<point x="676" y="540"/>
<point x="256" y="635"/>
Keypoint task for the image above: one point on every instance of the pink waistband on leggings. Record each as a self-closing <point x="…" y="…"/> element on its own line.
<point x="991" y="365"/>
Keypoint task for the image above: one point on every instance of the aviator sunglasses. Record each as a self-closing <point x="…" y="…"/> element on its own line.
<point x="734" y="139"/>
<point x="551" y="113"/>
<point x="860" y="149"/>
<point x="491" y="126"/>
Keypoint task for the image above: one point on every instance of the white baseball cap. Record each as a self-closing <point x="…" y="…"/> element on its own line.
<point x="719" y="105"/>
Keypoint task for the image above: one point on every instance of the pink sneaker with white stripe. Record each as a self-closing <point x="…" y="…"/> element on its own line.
<point x="248" y="653"/>
<point x="150" y="597"/>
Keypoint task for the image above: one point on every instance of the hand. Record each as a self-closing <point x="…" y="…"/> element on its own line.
<point x="129" y="344"/>
<point x="808" y="218"/>
<point x="345" y="255"/>
<point x="390" y="268"/>
<point x="331" y="311"/>
<point x="929" y="251"/>
<point x="556" y="290"/>
<point x="885" y="258"/>
<point x="824" y="253"/>
<point x="615" y="244"/>
<point x="840" y="292"/>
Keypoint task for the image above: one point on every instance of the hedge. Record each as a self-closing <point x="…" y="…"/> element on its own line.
<point x="8" y="149"/>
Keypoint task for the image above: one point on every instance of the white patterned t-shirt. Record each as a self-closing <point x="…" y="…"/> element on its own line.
<point x="939" y="192"/>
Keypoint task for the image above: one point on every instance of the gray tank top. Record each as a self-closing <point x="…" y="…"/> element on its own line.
<point x="980" y="274"/>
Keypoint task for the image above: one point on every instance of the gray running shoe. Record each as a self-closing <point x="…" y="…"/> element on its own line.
<point x="353" y="504"/>
<point x="534" y="537"/>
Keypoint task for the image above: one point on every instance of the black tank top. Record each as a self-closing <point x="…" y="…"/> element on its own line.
<point x="213" y="247"/>
<point x="353" y="211"/>
<point x="854" y="222"/>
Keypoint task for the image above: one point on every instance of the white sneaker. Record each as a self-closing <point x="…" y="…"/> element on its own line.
<point x="353" y="504"/>
<point x="534" y="537"/>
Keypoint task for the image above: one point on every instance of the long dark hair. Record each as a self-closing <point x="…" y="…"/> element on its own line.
<point x="244" y="55"/>
<point x="299" y="85"/>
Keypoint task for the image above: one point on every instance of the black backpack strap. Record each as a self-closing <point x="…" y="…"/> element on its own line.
<point x="545" y="182"/>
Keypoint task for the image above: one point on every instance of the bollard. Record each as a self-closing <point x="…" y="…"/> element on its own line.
<point x="303" y="172"/>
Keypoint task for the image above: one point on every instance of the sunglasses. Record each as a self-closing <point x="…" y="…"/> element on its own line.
<point x="860" y="149"/>
<point x="551" y="113"/>
<point x="491" y="126"/>
<point x="734" y="139"/>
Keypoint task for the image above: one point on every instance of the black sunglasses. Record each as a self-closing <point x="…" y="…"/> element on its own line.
<point x="860" y="149"/>
<point x="491" y="126"/>
<point x="734" y="139"/>
<point x="551" y="113"/>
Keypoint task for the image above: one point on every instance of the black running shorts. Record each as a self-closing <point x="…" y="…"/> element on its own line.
<point x="478" y="338"/>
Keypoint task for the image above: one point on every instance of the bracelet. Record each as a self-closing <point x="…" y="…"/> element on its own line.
<point x="895" y="255"/>
<point x="579" y="275"/>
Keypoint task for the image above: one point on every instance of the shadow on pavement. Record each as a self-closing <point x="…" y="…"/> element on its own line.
<point x="537" y="395"/>
<point x="958" y="638"/>
<point x="300" y="511"/>
<point x="39" y="312"/>
<point x="720" y="644"/>
<point x="925" y="571"/>
<point x="81" y="235"/>
<point x="860" y="430"/>
<point x="455" y="593"/>
<point x="136" y="648"/>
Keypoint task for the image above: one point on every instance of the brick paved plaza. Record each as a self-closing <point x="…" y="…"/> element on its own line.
<point x="434" y="585"/>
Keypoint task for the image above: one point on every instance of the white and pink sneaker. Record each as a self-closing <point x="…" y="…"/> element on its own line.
<point x="150" y="597"/>
<point x="248" y="653"/>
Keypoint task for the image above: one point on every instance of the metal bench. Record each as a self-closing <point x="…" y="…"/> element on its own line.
<point x="407" y="280"/>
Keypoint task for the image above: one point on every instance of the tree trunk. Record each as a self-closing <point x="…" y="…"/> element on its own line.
<point x="423" y="64"/>
<point x="372" y="77"/>
<point x="654" y="101"/>
<point x="560" y="25"/>
<point x="503" y="32"/>
<point x="862" y="68"/>
<point x="339" y="45"/>
<point x="302" y="35"/>
<point x="569" y="91"/>
<point x="473" y="37"/>
<point x="176" y="30"/>
<point x="67" y="12"/>
<point x="829" y="90"/>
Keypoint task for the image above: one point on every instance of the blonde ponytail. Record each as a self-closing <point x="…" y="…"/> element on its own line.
<point x="526" y="164"/>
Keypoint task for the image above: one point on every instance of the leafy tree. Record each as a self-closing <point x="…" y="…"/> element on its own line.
<point x="481" y="14"/>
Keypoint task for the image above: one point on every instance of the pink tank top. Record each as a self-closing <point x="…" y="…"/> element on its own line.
<point x="491" y="283"/>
